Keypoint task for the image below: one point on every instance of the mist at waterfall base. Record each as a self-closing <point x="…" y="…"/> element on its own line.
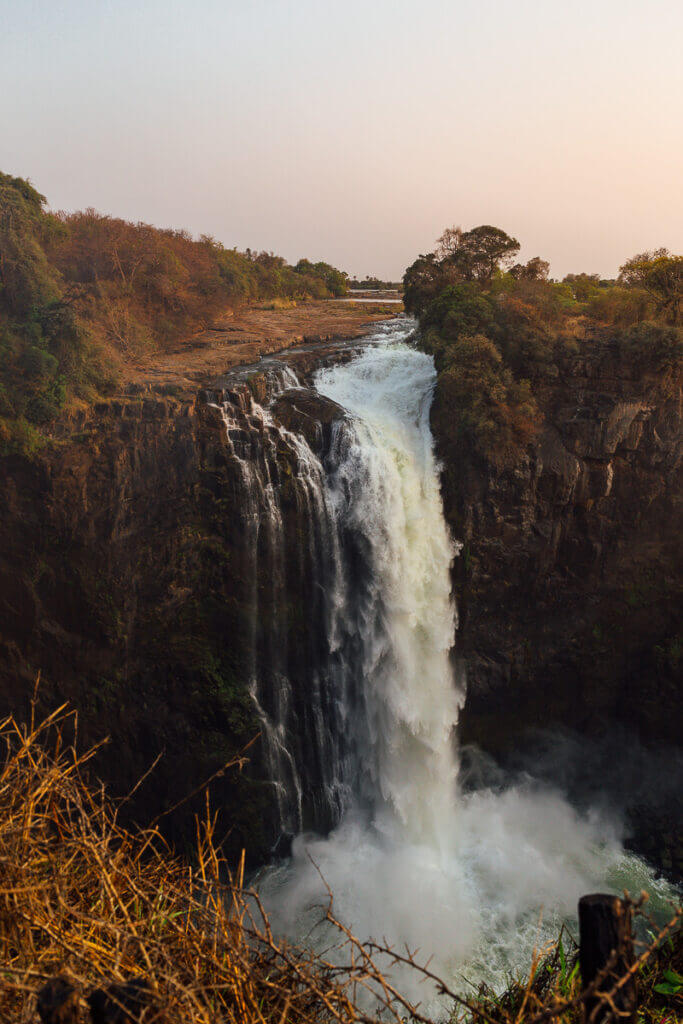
<point x="461" y="877"/>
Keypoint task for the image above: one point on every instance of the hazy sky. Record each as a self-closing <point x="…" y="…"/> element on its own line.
<point x="355" y="131"/>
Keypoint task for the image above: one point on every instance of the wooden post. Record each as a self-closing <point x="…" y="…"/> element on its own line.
<point x="606" y="941"/>
<point x="58" y="1002"/>
<point x="124" y="1003"/>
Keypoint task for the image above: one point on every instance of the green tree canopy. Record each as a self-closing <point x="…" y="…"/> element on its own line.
<point x="535" y="269"/>
<point x="659" y="273"/>
<point x="422" y="282"/>
<point x="479" y="253"/>
<point x="459" y="309"/>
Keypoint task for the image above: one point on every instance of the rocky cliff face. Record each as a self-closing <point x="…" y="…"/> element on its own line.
<point x="140" y="577"/>
<point x="569" y="580"/>
<point x="162" y="569"/>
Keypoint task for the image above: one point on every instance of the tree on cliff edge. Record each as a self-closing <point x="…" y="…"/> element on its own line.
<point x="477" y="254"/>
<point x="661" y="274"/>
<point x="473" y="256"/>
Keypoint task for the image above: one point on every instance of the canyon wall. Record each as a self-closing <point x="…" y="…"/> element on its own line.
<point x="139" y="580"/>
<point x="569" y="583"/>
<point x="169" y="551"/>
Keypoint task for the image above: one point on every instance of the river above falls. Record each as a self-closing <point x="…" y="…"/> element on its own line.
<point x="474" y="879"/>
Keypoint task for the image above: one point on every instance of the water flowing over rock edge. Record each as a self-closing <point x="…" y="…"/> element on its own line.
<point x="462" y="878"/>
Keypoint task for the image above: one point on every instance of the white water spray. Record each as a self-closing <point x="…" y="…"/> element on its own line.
<point x="462" y="878"/>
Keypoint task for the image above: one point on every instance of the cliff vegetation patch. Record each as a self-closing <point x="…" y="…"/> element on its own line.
<point x="82" y="294"/>
<point x="498" y="330"/>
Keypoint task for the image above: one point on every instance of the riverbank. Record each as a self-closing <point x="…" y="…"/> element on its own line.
<point x="241" y="337"/>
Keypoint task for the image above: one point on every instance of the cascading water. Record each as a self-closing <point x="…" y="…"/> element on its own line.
<point x="462" y="877"/>
<point x="277" y="559"/>
<point x="400" y="621"/>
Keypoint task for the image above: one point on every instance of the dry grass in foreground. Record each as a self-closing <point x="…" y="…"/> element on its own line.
<point x="86" y="902"/>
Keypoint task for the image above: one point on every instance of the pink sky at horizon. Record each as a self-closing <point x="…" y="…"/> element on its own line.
<point x="355" y="133"/>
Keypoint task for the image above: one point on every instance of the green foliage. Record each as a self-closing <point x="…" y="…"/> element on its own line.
<point x="492" y="331"/>
<point x="672" y="984"/>
<point x="652" y="346"/>
<point x="373" y="284"/>
<point x="535" y="269"/>
<point x="478" y="254"/>
<point x="459" y="309"/>
<point x="26" y="278"/>
<point x="19" y="437"/>
<point x="45" y="405"/>
<point x="523" y="335"/>
<point x="461" y="256"/>
<point x="620" y="306"/>
<point x="479" y="404"/>
<point x="82" y="293"/>
<point x="323" y="275"/>
<point x="423" y="281"/>
<point x="661" y="275"/>
<point x="583" y="286"/>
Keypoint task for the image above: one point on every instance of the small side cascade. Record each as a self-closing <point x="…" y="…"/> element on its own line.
<point x="291" y="568"/>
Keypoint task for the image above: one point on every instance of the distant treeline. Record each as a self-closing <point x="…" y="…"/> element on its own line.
<point x="495" y="325"/>
<point x="82" y="292"/>
<point x="373" y="284"/>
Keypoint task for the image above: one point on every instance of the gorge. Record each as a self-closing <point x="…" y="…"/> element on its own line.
<point x="272" y="556"/>
<point x="269" y="554"/>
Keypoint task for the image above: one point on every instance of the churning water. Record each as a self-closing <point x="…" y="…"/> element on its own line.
<point x="461" y="877"/>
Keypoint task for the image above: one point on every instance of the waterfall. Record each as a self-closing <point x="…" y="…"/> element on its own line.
<point x="361" y="736"/>
<point x="399" y="618"/>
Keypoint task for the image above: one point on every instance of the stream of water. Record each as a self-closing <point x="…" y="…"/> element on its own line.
<point x="471" y="879"/>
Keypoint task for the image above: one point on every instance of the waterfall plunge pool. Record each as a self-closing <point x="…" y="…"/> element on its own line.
<point x="472" y="880"/>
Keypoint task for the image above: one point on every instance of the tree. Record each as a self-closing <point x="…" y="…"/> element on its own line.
<point x="448" y="243"/>
<point x="476" y="255"/>
<point x="659" y="273"/>
<point x="583" y="286"/>
<point x="423" y="281"/>
<point x="459" y="309"/>
<point x="479" y="403"/>
<point x="535" y="270"/>
<point x="26" y="279"/>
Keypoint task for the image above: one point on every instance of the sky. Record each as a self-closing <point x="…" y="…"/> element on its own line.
<point x="353" y="131"/>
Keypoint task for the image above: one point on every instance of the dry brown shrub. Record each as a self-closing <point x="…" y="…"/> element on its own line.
<point x="85" y="899"/>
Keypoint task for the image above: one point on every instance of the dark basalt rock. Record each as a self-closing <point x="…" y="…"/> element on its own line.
<point x="569" y="584"/>
<point x="303" y="411"/>
<point x="283" y="847"/>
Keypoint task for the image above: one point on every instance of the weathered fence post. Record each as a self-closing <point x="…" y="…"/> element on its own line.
<point x="606" y="945"/>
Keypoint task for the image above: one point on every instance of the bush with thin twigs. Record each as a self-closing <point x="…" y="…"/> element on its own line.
<point x="85" y="899"/>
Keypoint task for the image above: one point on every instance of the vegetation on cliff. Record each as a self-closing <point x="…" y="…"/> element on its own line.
<point x="107" y="925"/>
<point x="495" y="326"/>
<point x="80" y="293"/>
